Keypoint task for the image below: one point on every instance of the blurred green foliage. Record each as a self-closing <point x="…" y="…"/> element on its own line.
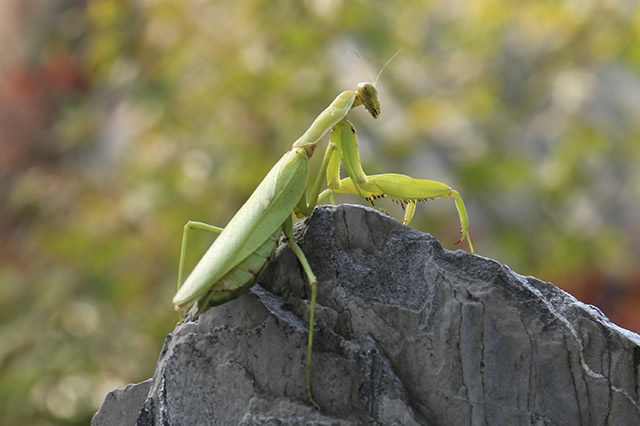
<point x="157" y="112"/>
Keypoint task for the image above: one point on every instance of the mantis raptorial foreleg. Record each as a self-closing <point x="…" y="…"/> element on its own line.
<point x="399" y="187"/>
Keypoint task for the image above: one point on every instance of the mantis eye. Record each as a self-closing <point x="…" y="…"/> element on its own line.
<point x="369" y="97"/>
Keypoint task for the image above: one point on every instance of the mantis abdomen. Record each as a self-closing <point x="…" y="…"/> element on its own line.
<point x="249" y="238"/>
<point x="242" y="276"/>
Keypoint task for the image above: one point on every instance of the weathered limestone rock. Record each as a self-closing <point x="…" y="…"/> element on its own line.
<point x="406" y="333"/>
<point x="122" y="405"/>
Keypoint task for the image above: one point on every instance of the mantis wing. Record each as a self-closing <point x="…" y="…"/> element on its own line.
<point x="263" y="213"/>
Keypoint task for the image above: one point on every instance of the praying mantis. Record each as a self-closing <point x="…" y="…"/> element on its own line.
<point x="242" y="250"/>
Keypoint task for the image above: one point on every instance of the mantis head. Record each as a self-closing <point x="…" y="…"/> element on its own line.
<point x="369" y="97"/>
<point x="367" y="92"/>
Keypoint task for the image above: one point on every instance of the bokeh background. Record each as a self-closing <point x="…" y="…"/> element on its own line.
<point x="121" y="120"/>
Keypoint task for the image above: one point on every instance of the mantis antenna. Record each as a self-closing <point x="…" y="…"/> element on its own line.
<point x="375" y="81"/>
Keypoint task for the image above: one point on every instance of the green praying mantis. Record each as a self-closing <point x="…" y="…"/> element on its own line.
<point x="244" y="247"/>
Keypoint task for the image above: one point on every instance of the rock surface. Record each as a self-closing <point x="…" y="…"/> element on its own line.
<point x="406" y="333"/>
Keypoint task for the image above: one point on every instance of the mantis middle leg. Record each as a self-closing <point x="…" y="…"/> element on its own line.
<point x="287" y="227"/>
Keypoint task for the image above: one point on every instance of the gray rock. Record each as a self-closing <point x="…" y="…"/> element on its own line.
<point x="406" y="333"/>
<point x="122" y="405"/>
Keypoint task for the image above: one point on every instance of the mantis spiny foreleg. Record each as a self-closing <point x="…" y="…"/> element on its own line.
<point x="399" y="187"/>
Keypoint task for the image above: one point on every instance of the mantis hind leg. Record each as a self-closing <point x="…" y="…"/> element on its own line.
<point x="313" y="282"/>
<point x="185" y="238"/>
